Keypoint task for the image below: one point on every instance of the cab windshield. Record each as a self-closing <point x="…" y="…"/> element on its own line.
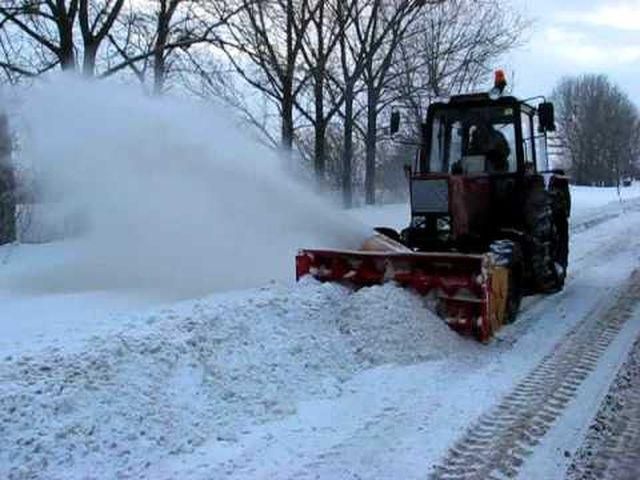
<point x="473" y="140"/>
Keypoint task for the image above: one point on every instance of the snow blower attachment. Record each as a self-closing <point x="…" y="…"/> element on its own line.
<point x="469" y="290"/>
<point x="489" y="220"/>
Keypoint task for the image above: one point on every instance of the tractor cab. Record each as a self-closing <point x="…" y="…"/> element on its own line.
<point x="475" y="134"/>
<point x="479" y="155"/>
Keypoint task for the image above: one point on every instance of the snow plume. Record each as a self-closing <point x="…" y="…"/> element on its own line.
<point x="174" y="196"/>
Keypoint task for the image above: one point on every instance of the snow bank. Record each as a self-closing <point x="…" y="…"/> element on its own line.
<point x="201" y="372"/>
<point x="168" y="194"/>
<point x="585" y="198"/>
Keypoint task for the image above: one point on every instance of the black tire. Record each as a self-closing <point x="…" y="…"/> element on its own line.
<point x="561" y="205"/>
<point x="548" y="243"/>
<point x="508" y="253"/>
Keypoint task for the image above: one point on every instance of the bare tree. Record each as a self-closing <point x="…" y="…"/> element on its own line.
<point x="44" y="29"/>
<point x="150" y="35"/>
<point x="263" y="43"/>
<point x="318" y="48"/>
<point x="449" y="49"/>
<point x="378" y="79"/>
<point x="131" y="43"/>
<point x="104" y="37"/>
<point x="452" y="48"/>
<point x="365" y="27"/>
<point x="598" y="129"/>
<point x="47" y="31"/>
<point x="160" y="36"/>
<point x="95" y="19"/>
<point x="464" y="38"/>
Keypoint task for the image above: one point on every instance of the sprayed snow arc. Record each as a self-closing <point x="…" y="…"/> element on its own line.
<point x="168" y="195"/>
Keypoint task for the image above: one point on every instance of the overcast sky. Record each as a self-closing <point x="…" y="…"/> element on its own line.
<point x="570" y="37"/>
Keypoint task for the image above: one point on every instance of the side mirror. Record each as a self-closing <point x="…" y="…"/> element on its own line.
<point x="395" y="122"/>
<point x="547" y="117"/>
<point x="407" y="171"/>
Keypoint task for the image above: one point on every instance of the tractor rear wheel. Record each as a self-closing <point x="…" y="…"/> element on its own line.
<point x="548" y="246"/>
<point x="561" y="206"/>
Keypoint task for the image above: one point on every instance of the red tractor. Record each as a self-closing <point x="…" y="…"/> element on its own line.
<point x="489" y="220"/>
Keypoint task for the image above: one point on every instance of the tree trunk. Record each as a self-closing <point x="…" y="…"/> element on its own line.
<point x="66" y="54"/>
<point x="371" y="140"/>
<point x="320" y="143"/>
<point x="287" y="84"/>
<point x="159" y="60"/>
<point x="320" y="129"/>
<point x="7" y="186"/>
<point x="158" y="72"/>
<point x="347" y="154"/>
<point x="287" y="117"/>
<point x="93" y="32"/>
<point x="318" y="93"/>
<point x="89" y="59"/>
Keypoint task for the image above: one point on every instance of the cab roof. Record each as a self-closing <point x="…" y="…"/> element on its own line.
<point x="483" y="100"/>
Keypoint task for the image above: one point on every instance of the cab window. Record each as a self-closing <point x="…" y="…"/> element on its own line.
<point x="541" y="148"/>
<point x="473" y="141"/>
<point x="528" y="141"/>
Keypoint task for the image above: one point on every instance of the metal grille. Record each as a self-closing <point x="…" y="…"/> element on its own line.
<point x="430" y="196"/>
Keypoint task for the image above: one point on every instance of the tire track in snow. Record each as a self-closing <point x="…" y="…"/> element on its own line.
<point x="496" y="446"/>
<point x="611" y="450"/>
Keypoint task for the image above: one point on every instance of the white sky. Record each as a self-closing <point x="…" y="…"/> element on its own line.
<point x="570" y="37"/>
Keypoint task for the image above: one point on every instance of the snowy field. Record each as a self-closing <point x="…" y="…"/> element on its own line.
<point x="281" y="381"/>
<point x="160" y="345"/>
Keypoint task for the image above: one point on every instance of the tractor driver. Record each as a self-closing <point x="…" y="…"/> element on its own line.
<point x="487" y="141"/>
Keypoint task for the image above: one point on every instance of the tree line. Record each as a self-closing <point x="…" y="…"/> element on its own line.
<point x="598" y="130"/>
<point x="316" y="78"/>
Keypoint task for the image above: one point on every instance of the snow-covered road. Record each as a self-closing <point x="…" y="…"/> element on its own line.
<point x="611" y="450"/>
<point x="399" y="421"/>
<point x="304" y="381"/>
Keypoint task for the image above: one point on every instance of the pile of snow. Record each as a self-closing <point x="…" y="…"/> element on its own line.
<point x="386" y="324"/>
<point x="202" y="371"/>
<point x="167" y="194"/>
